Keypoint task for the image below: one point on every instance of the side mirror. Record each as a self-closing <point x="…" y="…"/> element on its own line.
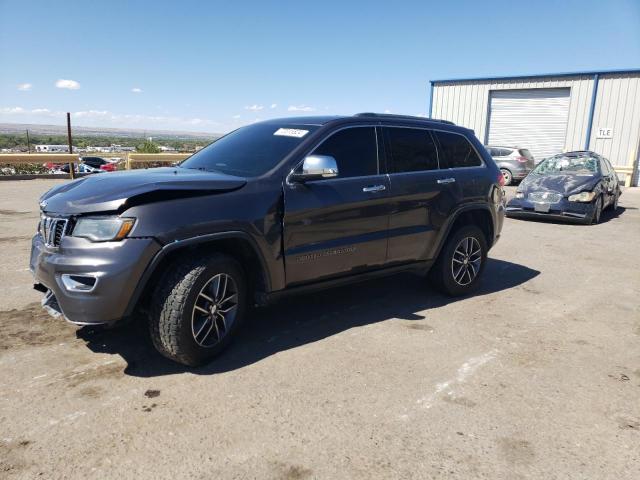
<point x="315" y="167"/>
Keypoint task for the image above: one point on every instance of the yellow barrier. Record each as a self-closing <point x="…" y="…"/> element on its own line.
<point x="129" y="158"/>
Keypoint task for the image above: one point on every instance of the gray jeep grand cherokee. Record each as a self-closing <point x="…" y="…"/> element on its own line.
<point x="277" y="207"/>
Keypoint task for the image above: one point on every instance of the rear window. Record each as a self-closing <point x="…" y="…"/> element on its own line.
<point x="456" y="151"/>
<point x="525" y="153"/>
<point x="412" y="150"/>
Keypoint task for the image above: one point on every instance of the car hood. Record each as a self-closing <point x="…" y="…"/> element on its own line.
<point x="115" y="191"/>
<point x="565" y="184"/>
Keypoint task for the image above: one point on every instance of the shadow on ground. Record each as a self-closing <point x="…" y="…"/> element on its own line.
<point x="303" y="319"/>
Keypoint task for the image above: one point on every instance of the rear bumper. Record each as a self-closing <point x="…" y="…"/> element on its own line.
<point x="116" y="266"/>
<point x="562" y="210"/>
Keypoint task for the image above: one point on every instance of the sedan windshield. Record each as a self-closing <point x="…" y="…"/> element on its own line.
<point x="249" y="151"/>
<point x="562" y="164"/>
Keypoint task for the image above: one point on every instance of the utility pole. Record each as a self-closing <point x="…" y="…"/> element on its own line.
<point x="28" y="142"/>
<point x="72" y="173"/>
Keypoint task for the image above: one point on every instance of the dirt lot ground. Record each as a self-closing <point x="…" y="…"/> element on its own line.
<point x="537" y="376"/>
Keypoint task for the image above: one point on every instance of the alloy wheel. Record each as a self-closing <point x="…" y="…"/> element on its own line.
<point x="466" y="261"/>
<point x="214" y="310"/>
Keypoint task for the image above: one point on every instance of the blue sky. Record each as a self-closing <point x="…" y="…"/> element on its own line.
<point x="211" y="66"/>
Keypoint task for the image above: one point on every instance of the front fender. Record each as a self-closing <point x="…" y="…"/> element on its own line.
<point x="162" y="254"/>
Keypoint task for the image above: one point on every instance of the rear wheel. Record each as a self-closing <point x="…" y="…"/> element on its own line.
<point x="508" y="178"/>
<point x="614" y="204"/>
<point x="461" y="262"/>
<point x="198" y="306"/>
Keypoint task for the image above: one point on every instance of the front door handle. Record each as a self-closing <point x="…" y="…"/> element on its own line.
<point x="446" y="180"/>
<point x="374" y="188"/>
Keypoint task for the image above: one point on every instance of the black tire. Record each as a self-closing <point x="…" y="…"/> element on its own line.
<point x="614" y="204"/>
<point x="597" y="211"/>
<point x="172" y="308"/>
<point x="442" y="273"/>
<point x="508" y="178"/>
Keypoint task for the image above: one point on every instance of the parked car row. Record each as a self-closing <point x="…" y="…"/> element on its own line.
<point x="86" y="165"/>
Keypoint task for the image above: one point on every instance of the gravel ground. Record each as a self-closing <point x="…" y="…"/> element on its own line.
<point x="536" y="376"/>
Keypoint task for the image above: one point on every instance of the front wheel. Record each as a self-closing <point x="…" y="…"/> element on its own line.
<point x="597" y="211"/>
<point x="461" y="262"/>
<point x="198" y="306"/>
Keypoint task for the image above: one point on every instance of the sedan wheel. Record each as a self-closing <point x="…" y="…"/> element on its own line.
<point x="597" y="211"/>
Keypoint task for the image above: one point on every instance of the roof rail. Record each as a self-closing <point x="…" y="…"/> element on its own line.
<point x="407" y="117"/>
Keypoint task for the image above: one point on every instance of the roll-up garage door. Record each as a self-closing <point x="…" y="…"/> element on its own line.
<point x="535" y="119"/>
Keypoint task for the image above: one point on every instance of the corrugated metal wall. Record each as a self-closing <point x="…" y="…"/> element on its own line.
<point x="617" y="106"/>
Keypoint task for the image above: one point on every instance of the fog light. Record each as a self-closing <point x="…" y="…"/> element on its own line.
<point x="79" y="283"/>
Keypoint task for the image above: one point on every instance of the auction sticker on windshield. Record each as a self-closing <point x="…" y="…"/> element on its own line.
<point x="291" y="132"/>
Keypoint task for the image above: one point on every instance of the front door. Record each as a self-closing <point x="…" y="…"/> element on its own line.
<point x="338" y="226"/>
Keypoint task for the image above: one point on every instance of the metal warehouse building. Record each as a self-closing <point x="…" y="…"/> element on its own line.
<point x="550" y="113"/>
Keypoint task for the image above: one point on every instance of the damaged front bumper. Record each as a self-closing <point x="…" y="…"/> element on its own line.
<point x="110" y="270"/>
<point x="561" y="210"/>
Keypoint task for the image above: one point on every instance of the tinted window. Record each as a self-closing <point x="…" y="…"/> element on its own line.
<point x="526" y="153"/>
<point x="354" y="149"/>
<point x="456" y="151"/>
<point x="250" y="151"/>
<point x="505" y="152"/>
<point x="411" y="150"/>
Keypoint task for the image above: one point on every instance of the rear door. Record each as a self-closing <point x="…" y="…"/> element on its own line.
<point x="422" y="195"/>
<point x="338" y="226"/>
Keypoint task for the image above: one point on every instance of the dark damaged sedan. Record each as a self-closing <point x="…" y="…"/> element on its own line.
<point x="574" y="186"/>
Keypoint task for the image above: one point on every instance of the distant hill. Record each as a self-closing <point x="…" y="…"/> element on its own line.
<point x="37" y="129"/>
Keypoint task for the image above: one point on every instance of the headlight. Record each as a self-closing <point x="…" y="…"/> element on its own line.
<point x="103" y="229"/>
<point x="582" y="197"/>
<point x="519" y="195"/>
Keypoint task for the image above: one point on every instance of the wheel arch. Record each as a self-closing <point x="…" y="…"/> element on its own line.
<point x="476" y="214"/>
<point x="236" y="244"/>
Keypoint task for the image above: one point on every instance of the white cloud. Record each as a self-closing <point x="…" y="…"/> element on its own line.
<point x="273" y="105"/>
<point x="136" y="90"/>
<point x="236" y="117"/>
<point x="254" y="108"/>
<point x="106" y="118"/>
<point x="387" y="110"/>
<point x="300" y="108"/>
<point x="24" y="87"/>
<point x="421" y="115"/>
<point x="12" y="110"/>
<point x="68" y="84"/>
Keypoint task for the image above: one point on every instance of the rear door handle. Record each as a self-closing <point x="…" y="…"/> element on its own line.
<point x="374" y="188"/>
<point x="446" y="180"/>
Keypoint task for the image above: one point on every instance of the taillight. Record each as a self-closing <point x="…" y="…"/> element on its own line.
<point x="501" y="179"/>
<point x="522" y="159"/>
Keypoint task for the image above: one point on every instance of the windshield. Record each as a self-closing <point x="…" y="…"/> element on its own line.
<point x="250" y="151"/>
<point x="562" y="164"/>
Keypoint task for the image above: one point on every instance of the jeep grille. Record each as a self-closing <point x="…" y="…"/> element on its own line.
<point x="53" y="229"/>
